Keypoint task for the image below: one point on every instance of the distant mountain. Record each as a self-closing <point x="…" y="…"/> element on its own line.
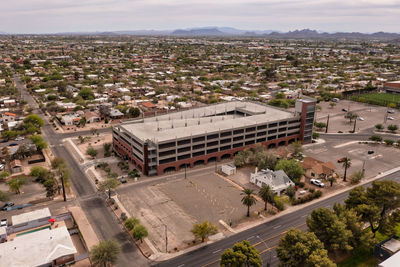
<point x="200" y="32"/>
<point x="307" y="33"/>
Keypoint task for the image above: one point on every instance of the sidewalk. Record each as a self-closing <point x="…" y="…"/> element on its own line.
<point x="84" y="226"/>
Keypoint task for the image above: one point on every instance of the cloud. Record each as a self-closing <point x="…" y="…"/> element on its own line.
<point x="41" y="16"/>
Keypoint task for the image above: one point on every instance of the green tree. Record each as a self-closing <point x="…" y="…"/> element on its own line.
<point x="346" y="163"/>
<point x="315" y="135"/>
<point x="268" y="160"/>
<point x="131" y="222"/>
<point x="332" y="104"/>
<point x="356" y="177"/>
<point x="39" y="173"/>
<point x="134" y="112"/>
<point x="108" y="185"/>
<point x="297" y="148"/>
<point x="375" y="138"/>
<point x="298" y="249"/>
<point x="248" y="199"/>
<point x="291" y="167"/>
<point x="329" y="229"/>
<point x="241" y="254"/>
<point x="139" y="232"/>
<point x="388" y="142"/>
<point x="16" y="184"/>
<point x="376" y="203"/>
<point x="4" y="196"/>
<point x="291" y="192"/>
<point x="107" y="149"/>
<point x="105" y="254"/>
<point x="38" y="141"/>
<point x="239" y="159"/>
<point x="320" y="125"/>
<point x="4" y="175"/>
<point x="35" y="120"/>
<point x="267" y="195"/>
<point x="203" y="230"/>
<point x="351" y="116"/>
<point x="331" y="179"/>
<point x="91" y="152"/>
<point x="86" y="93"/>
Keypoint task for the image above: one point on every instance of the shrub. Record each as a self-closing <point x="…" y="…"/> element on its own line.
<point x="312" y="190"/>
<point x="279" y="203"/>
<point x="300" y="184"/>
<point x="379" y="127"/>
<point x="389" y="142"/>
<point x="356" y="177"/>
<point x="315" y="135"/>
<point x="376" y="138"/>
<point x="123" y="216"/>
<point x="307" y="198"/>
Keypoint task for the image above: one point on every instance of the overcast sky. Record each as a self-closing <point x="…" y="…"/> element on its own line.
<point x="50" y="16"/>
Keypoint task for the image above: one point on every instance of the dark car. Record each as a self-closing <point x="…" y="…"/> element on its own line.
<point x="370" y="152"/>
<point x="13" y="144"/>
<point x="344" y="109"/>
<point x="3" y="140"/>
<point x="340" y="160"/>
<point x="7" y="205"/>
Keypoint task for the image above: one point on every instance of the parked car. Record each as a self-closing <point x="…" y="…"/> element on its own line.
<point x="336" y="100"/>
<point x="5" y="140"/>
<point x="19" y="138"/>
<point x="13" y="144"/>
<point x="391" y="111"/>
<point x="340" y="160"/>
<point x="344" y="109"/>
<point x="317" y="182"/>
<point x="7" y="205"/>
<point x="361" y="118"/>
<point x="390" y="118"/>
<point x="1" y="167"/>
<point x="370" y="152"/>
<point x="3" y="222"/>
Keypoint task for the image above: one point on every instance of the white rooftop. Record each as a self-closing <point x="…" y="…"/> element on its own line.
<point x="30" y="216"/>
<point x="203" y="120"/>
<point x="393" y="261"/>
<point x="37" y="248"/>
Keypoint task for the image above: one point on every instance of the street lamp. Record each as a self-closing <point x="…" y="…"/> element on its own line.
<point x="268" y="249"/>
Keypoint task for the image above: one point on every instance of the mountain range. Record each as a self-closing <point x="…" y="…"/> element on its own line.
<point x="229" y="31"/>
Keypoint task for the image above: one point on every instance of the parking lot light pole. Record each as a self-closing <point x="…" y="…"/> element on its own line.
<point x="268" y="248"/>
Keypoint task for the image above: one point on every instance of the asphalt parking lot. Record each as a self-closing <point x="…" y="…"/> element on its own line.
<point x="384" y="157"/>
<point x="370" y="114"/>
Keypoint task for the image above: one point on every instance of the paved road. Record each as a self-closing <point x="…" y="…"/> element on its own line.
<point x="99" y="215"/>
<point x="269" y="233"/>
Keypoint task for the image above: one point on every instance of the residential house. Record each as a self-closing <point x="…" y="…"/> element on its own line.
<point x="278" y="181"/>
<point x="8" y="116"/>
<point x="115" y="114"/>
<point x="91" y="117"/>
<point x="15" y="166"/>
<point x="316" y="169"/>
<point x="70" y="119"/>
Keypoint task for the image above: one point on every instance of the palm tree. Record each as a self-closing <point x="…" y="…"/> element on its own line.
<point x="346" y="163"/>
<point x="105" y="253"/>
<point x="248" y="199"/>
<point x="267" y="195"/>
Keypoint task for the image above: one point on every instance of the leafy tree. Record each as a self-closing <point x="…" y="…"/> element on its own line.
<point x="241" y="254"/>
<point x="203" y="230"/>
<point x="108" y="185"/>
<point x="329" y="229"/>
<point x="38" y="141"/>
<point x="376" y="203"/>
<point x="267" y="161"/>
<point x="291" y="192"/>
<point x="134" y="112"/>
<point x="105" y="254"/>
<point x="248" y="199"/>
<point x="291" y="167"/>
<point x="239" y="159"/>
<point x="58" y="163"/>
<point x="297" y="148"/>
<point x="4" y="196"/>
<point x="50" y="186"/>
<point x="16" y="184"/>
<point x="139" y="232"/>
<point x="91" y="152"/>
<point x="379" y="127"/>
<point x="298" y="249"/>
<point x="393" y="128"/>
<point x="39" y="173"/>
<point x="351" y="116"/>
<point x="331" y="179"/>
<point x="315" y="135"/>
<point x="4" y="175"/>
<point x="346" y="163"/>
<point x="86" y="93"/>
<point x="332" y="104"/>
<point x="104" y="111"/>
<point x="35" y="120"/>
<point x="131" y="222"/>
<point x="320" y="125"/>
<point x="389" y="142"/>
<point x="267" y="195"/>
<point x="107" y="149"/>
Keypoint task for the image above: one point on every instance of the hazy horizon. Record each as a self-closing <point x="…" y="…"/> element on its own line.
<point x="49" y="16"/>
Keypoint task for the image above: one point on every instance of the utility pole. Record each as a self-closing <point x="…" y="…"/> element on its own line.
<point x="363" y="168"/>
<point x="63" y="186"/>
<point x="355" y="122"/>
<point x="185" y="169"/>
<point x="327" y="124"/>
<point x="166" y="239"/>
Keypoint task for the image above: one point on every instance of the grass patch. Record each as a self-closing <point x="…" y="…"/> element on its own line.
<point x="380" y="99"/>
<point x="380" y="237"/>
<point x="360" y="259"/>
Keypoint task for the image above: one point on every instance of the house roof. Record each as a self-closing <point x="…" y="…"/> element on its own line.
<point x="15" y="163"/>
<point x="275" y="179"/>
<point x="37" y="248"/>
<point x="10" y="114"/>
<point x="30" y="216"/>
<point x="148" y="105"/>
<point x="319" y="167"/>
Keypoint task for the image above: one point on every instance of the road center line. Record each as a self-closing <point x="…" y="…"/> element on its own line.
<point x="217" y="251"/>
<point x="276" y="227"/>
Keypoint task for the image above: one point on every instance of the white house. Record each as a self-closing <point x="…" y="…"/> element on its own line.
<point x="278" y="181"/>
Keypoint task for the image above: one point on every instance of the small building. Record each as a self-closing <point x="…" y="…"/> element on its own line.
<point x="278" y="181"/>
<point x="115" y="114"/>
<point x="91" y="117"/>
<point x="228" y="169"/>
<point x="8" y="116"/>
<point x="316" y="169"/>
<point x="31" y="217"/>
<point x="15" y="166"/>
<point x="392" y="87"/>
<point x="392" y="261"/>
<point x="70" y="119"/>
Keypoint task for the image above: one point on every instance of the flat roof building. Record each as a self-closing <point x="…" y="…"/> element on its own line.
<point x="200" y="135"/>
<point x="392" y="87"/>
